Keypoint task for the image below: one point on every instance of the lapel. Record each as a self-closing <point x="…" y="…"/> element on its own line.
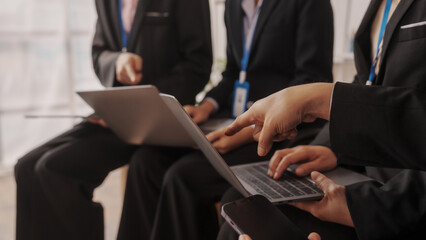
<point x="368" y="19"/>
<point x="362" y="43"/>
<point x="137" y="22"/>
<point x="267" y="7"/>
<point x="392" y="26"/>
<point x="235" y="18"/>
<point x="116" y="22"/>
<point x="237" y="26"/>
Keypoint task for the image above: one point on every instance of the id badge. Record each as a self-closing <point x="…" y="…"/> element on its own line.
<point x="241" y="91"/>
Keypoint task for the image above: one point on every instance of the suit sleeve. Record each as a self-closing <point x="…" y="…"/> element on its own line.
<point x="379" y="126"/>
<point x="224" y="89"/>
<point x="103" y="58"/>
<point x="397" y="209"/>
<point x="194" y="41"/>
<point x="314" y="42"/>
<point x="323" y="137"/>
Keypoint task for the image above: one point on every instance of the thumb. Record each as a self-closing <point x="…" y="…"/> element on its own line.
<point x="314" y="236"/>
<point x="244" y="237"/>
<point x="130" y="73"/>
<point x="322" y="181"/>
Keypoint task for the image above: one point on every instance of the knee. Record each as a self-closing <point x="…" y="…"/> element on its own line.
<point x="43" y="165"/>
<point x="141" y="166"/>
<point x="141" y="161"/>
<point x="31" y="166"/>
<point x="188" y="173"/>
<point x="24" y="169"/>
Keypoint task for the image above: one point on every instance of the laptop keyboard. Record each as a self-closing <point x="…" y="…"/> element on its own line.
<point x="289" y="185"/>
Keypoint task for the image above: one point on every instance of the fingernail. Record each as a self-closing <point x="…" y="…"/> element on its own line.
<point x="269" y="172"/>
<point x="276" y="175"/>
<point x="315" y="175"/>
<point x="261" y="151"/>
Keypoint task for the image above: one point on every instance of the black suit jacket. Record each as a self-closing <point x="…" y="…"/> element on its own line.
<point x="396" y="209"/>
<point x="403" y="65"/>
<point x="395" y="115"/>
<point x="292" y="44"/>
<point x="172" y="37"/>
<point x="386" y="126"/>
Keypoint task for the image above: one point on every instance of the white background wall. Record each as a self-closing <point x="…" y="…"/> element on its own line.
<point x="45" y="57"/>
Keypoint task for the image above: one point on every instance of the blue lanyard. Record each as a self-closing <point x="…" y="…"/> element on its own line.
<point x="124" y="36"/>
<point x="382" y="32"/>
<point x="246" y="51"/>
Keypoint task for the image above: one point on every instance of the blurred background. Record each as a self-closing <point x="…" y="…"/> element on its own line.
<point x="45" y="57"/>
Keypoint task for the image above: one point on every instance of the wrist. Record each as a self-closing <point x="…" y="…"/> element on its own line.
<point x="318" y="105"/>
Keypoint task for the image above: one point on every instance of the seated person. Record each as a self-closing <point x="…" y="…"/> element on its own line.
<point x="167" y="44"/>
<point x="289" y="42"/>
<point x="396" y="206"/>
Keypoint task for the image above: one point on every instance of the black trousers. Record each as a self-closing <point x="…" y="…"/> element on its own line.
<point x="304" y="220"/>
<point x="55" y="184"/>
<point x="173" y="196"/>
<point x="147" y="168"/>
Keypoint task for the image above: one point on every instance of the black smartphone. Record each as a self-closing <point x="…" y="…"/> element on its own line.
<point x="257" y="217"/>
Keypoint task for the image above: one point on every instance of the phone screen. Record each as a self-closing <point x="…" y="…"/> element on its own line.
<point x="257" y="217"/>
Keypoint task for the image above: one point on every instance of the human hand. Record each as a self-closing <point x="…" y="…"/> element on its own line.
<point x="200" y="113"/>
<point x="333" y="207"/>
<point x="128" y="68"/>
<point x="97" y="120"/>
<point x="277" y="116"/>
<point x="313" y="158"/>
<point x="312" y="236"/>
<point x="244" y="237"/>
<point x="224" y="144"/>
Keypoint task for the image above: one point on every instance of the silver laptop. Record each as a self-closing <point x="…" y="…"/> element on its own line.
<point x="137" y="115"/>
<point x="251" y="179"/>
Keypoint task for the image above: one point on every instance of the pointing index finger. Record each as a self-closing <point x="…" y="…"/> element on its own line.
<point x="241" y="122"/>
<point x="265" y="140"/>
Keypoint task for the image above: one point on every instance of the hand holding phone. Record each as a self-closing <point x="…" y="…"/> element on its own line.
<point x="257" y="217"/>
